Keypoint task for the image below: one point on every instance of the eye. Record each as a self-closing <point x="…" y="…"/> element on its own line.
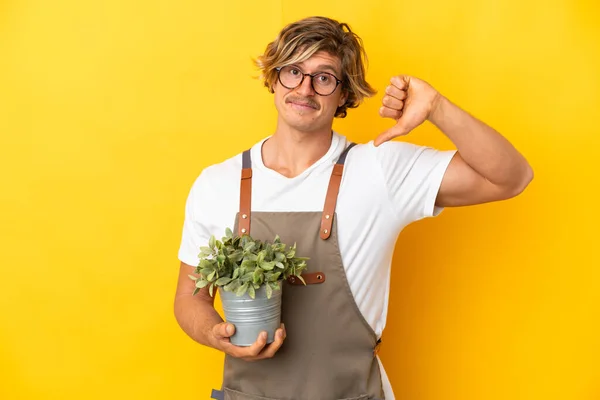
<point x="294" y="71"/>
<point x="323" y="78"/>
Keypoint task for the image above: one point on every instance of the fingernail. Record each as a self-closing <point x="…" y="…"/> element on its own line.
<point x="229" y="329"/>
<point x="263" y="335"/>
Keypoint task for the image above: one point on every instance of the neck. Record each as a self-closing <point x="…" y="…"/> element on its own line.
<point x="290" y="152"/>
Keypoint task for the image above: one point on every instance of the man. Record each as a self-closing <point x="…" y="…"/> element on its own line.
<point x="348" y="221"/>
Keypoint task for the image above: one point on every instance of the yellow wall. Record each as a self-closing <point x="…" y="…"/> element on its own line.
<point x="109" y="110"/>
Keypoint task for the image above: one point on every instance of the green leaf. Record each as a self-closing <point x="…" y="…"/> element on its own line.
<point x="279" y="265"/>
<point x="223" y="281"/>
<point x="261" y="257"/>
<point x="249" y="264"/>
<point x="232" y="286"/>
<point x="269" y="291"/>
<point x="194" y="278"/>
<point x="249" y="247"/>
<point x="247" y="277"/>
<point x="274" y="285"/>
<point x="257" y="275"/>
<point x="195" y="291"/>
<point x="206" y="271"/>
<point x="279" y="247"/>
<point x="201" y="283"/>
<point x="236" y="256"/>
<point x="211" y="276"/>
<point x="269" y="252"/>
<point x="279" y="256"/>
<point x="210" y="289"/>
<point x="251" y="291"/>
<point x="236" y="273"/>
<point x="228" y="233"/>
<point x="274" y="277"/>
<point x="268" y="266"/>
<point x="221" y="259"/>
<point x="242" y="289"/>
<point x="206" y="249"/>
<point x="301" y="278"/>
<point x="291" y="254"/>
<point x="211" y="242"/>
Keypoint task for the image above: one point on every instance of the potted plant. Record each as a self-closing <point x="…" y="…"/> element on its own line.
<point x="248" y="274"/>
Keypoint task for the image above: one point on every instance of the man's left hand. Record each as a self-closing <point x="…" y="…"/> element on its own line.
<point x="409" y="101"/>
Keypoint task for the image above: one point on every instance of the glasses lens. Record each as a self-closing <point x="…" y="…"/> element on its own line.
<point x="324" y="83"/>
<point x="290" y="76"/>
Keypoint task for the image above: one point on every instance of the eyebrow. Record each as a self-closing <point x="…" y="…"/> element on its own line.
<point x="325" y="67"/>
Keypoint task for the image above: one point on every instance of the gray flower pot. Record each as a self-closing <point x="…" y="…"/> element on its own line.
<point x="252" y="316"/>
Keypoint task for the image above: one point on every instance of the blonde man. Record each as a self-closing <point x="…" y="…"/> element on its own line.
<point x="343" y="203"/>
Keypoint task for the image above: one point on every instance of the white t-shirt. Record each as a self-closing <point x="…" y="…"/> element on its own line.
<point x="383" y="189"/>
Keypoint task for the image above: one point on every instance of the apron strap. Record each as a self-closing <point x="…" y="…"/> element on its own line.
<point x="245" y="195"/>
<point x="217" y="394"/>
<point x="332" y="194"/>
<point x="330" y="199"/>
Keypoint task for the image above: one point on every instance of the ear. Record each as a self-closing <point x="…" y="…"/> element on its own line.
<point x="343" y="98"/>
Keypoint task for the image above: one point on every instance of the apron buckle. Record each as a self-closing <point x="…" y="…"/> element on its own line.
<point x="377" y="348"/>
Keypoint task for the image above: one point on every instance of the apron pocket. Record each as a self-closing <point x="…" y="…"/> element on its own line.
<point x="231" y="394"/>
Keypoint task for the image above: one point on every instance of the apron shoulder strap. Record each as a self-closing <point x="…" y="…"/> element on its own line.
<point x="342" y="159"/>
<point x="330" y="199"/>
<point x="332" y="194"/>
<point x="245" y="194"/>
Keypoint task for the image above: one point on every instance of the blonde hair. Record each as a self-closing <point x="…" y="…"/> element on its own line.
<point x="298" y="41"/>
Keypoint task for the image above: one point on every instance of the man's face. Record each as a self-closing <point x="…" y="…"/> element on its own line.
<point x="302" y="108"/>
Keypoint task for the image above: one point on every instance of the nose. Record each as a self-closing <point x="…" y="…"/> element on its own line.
<point x="305" y="87"/>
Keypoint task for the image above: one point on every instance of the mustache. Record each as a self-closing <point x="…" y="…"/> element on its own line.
<point x="303" y="100"/>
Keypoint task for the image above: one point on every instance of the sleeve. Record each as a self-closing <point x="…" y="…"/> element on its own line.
<point x="195" y="233"/>
<point x="413" y="175"/>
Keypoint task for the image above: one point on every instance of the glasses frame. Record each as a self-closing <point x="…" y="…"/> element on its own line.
<point x="312" y="83"/>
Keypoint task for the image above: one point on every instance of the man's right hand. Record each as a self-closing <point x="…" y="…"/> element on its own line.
<point x="258" y="351"/>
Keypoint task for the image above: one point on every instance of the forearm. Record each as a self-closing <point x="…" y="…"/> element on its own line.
<point x="196" y="318"/>
<point x="485" y="150"/>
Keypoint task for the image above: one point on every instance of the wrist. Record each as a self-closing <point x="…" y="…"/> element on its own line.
<point x="439" y="104"/>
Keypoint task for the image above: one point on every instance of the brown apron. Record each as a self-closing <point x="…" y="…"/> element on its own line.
<point x="329" y="352"/>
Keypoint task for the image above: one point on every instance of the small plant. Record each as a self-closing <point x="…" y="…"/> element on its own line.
<point x="242" y="265"/>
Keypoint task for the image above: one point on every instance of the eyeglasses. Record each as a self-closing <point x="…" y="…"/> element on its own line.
<point x="323" y="83"/>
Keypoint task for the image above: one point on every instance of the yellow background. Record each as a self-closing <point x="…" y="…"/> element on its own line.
<point x="110" y="109"/>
